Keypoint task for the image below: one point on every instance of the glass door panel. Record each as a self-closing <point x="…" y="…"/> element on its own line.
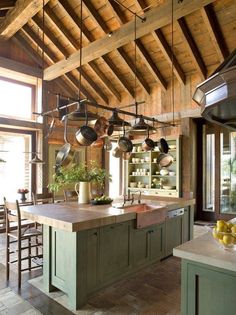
<point x="228" y="172"/>
<point x="208" y="170"/>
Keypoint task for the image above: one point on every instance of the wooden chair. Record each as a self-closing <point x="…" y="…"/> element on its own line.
<point x="70" y="195"/>
<point x="26" y="233"/>
<point x="42" y="198"/>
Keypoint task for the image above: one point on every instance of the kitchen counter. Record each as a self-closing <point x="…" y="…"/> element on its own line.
<point x="205" y="250"/>
<point x="86" y="247"/>
<point x="73" y="217"/>
<point x="208" y="277"/>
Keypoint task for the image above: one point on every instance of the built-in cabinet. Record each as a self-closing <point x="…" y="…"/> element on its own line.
<point x="143" y="172"/>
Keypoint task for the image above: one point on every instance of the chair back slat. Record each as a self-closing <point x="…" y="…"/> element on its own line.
<point x="12" y="214"/>
<point x="43" y="198"/>
<point x="70" y="195"/>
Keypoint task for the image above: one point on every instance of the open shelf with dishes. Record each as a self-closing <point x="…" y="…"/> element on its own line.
<point x="144" y="173"/>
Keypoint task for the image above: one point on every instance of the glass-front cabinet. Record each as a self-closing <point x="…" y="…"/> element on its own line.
<point x="144" y="173"/>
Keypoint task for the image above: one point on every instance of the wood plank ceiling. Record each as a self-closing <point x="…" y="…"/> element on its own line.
<point x="204" y="34"/>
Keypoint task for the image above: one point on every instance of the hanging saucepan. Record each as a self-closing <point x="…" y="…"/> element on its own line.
<point x="103" y="128"/>
<point x="65" y="155"/>
<point x="124" y="143"/>
<point x="163" y="145"/>
<point x="148" y="144"/>
<point x="51" y="127"/>
<point x="117" y="153"/>
<point x="165" y="159"/>
<point x="86" y="135"/>
<point x="99" y="143"/>
<point x="107" y="144"/>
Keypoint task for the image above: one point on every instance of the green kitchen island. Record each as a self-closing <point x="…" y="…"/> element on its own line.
<point x="208" y="280"/>
<point x="88" y="247"/>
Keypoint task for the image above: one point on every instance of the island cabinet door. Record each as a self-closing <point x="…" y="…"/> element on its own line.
<point x="207" y="290"/>
<point x="114" y="251"/>
<point x="157" y="242"/>
<point x="188" y="219"/>
<point x="140" y="246"/>
<point x="174" y="233"/>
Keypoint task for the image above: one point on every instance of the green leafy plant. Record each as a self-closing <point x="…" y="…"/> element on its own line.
<point x="79" y="173"/>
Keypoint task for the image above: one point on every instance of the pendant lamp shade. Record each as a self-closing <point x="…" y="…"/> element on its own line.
<point x="141" y="128"/>
<point x="36" y="160"/>
<point x="118" y="122"/>
<point x="81" y="114"/>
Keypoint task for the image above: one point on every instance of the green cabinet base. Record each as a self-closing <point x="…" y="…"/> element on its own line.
<point x="207" y="290"/>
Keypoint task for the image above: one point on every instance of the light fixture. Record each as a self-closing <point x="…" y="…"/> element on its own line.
<point x="36" y="159"/>
<point x="81" y="114"/>
<point x="118" y="122"/>
<point x="141" y="127"/>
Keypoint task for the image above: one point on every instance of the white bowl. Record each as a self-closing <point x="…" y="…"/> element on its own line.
<point x="168" y="187"/>
<point x="133" y="184"/>
<point x="172" y="173"/>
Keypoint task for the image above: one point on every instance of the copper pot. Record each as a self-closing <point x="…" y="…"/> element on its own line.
<point x="165" y="159"/>
<point x="125" y="144"/>
<point x="99" y="143"/>
<point x="103" y="128"/>
<point x="148" y="144"/>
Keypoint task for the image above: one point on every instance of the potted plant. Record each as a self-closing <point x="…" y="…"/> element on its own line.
<point x="82" y="174"/>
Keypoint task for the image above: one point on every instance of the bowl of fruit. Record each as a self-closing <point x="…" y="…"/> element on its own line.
<point x="225" y="234"/>
<point x="103" y="200"/>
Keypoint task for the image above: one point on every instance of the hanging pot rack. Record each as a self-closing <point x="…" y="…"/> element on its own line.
<point x="104" y="107"/>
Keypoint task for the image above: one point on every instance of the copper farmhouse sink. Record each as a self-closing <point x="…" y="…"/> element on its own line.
<point x="147" y="215"/>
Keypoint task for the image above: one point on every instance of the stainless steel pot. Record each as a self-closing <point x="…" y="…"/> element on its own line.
<point x="165" y="159"/>
<point x="86" y="135"/>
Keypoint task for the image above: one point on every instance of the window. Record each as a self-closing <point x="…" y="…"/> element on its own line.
<point x="116" y="173"/>
<point x="16" y="172"/>
<point x="16" y="99"/>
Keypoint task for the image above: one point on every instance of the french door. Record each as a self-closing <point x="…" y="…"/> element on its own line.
<point x="217" y="181"/>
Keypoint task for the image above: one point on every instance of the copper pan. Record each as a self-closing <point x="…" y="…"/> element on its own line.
<point x="103" y="128"/>
<point x="99" y="143"/>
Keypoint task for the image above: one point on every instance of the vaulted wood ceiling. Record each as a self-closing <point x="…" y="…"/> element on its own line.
<point x="203" y="35"/>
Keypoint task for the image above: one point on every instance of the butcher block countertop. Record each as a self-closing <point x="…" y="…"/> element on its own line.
<point x="73" y="217"/>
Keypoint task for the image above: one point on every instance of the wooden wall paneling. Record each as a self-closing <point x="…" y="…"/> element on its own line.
<point x="192" y="47"/>
<point x="18" y="16"/>
<point x="156" y="18"/>
<point x="215" y="32"/>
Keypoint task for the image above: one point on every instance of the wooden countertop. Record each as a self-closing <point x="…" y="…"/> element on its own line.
<point x="74" y="217"/>
<point x="205" y="250"/>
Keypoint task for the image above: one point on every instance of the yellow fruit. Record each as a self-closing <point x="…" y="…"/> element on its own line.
<point x="227" y="239"/>
<point x="229" y="225"/>
<point x="233" y="229"/>
<point x="221" y="242"/>
<point x="214" y="233"/>
<point x="220" y="223"/>
<point x="221" y="229"/>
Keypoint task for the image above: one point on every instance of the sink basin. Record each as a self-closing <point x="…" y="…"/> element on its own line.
<point x="147" y="215"/>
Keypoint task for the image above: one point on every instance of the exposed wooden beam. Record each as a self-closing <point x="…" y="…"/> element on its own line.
<point x="131" y="66"/>
<point x="67" y="7"/>
<point x="155" y="18"/>
<point x="13" y="65"/>
<point x="144" y="54"/>
<point x="192" y="47"/>
<point x="95" y="15"/>
<point x="3" y="13"/>
<point x="150" y="64"/>
<point x="64" y="51"/>
<point x="18" y="16"/>
<point x="61" y="27"/>
<point x="117" y="12"/>
<point x="166" y="50"/>
<point x="141" y="5"/>
<point x="120" y="78"/>
<point x="215" y="32"/>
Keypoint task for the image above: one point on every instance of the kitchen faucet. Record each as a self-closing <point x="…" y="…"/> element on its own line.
<point x="128" y="198"/>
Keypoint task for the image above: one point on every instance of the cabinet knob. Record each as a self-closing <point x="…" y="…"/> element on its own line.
<point x="95" y="233"/>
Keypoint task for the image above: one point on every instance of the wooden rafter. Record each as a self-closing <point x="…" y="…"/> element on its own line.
<point x="21" y="41"/>
<point x="166" y="50"/>
<point x="53" y="58"/>
<point x="131" y="66"/>
<point x="65" y="4"/>
<point x="64" y="51"/>
<point x="155" y="18"/>
<point x="192" y="47"/>
<point x="143" y="53"/>
<point x="120" y="78"/>
<point x="18" y="16"/>
<point x="150" y="64"/>
<point x="215" y="32"/>
<point x="117" y="12"/>
<point x="95" y="15"/>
